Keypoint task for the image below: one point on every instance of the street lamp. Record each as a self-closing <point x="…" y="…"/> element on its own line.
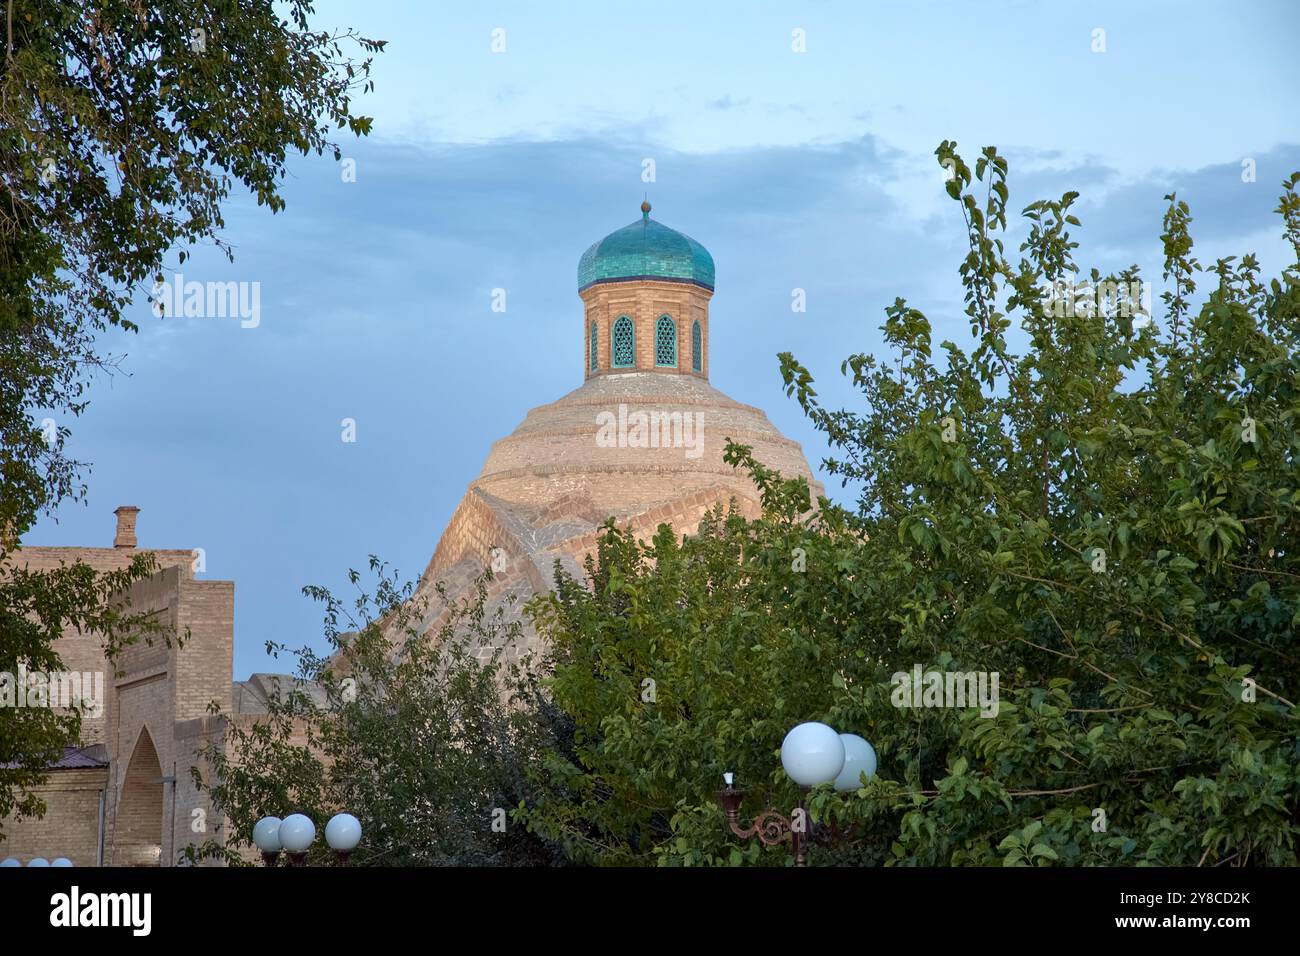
<point x="294" y="835"/>
<point x="812" y="754"/>
<point x="859" y="760"/>
<point x="343" y="833"/>
<point x="266" y="836"/>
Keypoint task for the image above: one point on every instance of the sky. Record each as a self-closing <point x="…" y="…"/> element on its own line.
<point x="509" y="137"/>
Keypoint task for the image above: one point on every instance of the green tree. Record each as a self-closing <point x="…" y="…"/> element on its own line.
<point x="1100" y="509"/>
<point x="124" y="126"/>
<point x="426" y="738"/>
<point x="677" y="661"/>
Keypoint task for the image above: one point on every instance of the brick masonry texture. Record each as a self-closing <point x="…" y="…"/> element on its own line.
<point x="644" y="302"/>
<point x="70" y="827"/>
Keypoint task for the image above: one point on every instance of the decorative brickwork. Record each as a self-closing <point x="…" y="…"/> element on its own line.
<point x="644" y="302"/>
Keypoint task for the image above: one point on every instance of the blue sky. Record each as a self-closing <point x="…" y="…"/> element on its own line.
<point x="496" y="170"/>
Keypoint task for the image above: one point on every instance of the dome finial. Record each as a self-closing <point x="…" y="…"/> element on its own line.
<point x="645" y="209"/>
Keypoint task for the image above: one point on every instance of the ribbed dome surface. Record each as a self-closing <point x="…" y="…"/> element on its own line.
<point x="560" y="448"/>
<point x="547" y="487"/>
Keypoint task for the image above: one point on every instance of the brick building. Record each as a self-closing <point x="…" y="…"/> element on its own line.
<point x="125" y="797"/>
<point x="640" y="440"/>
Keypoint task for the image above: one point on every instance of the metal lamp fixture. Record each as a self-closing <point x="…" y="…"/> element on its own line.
<point x="295" y="833"/>
<point x="812" y="754"/>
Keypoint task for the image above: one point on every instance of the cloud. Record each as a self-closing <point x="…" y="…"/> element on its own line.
<point x="725" y="102"/>
<point x="376" y="303"/>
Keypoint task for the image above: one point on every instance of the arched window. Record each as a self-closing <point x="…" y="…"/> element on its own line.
<point x="623" y="343"/>
<point x="697" y="348"/>
<point x="666" y="341"/>
<point x="593" y="346"/>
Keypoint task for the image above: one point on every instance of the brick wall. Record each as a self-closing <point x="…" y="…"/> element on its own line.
<point x="154" y="722"/>
<point x="196" y="820"/>
<point x="85" y="652"/>
<point x="644" y="302"/>
<point x="203" y="663"/>
<point x="70" y="826"/>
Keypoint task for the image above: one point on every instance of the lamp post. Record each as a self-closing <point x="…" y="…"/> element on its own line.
<point x="294" y="835"/>
<point x="812" y="754"/>
<point x="266" y="837"/>
<point x="343" y="833"/>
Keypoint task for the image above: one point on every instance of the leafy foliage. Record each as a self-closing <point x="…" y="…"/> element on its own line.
<point x="1099" y="509"/>
<point x="682" y="660"/>
<point x="407" y="730"/>
<point x="124" y="126"/>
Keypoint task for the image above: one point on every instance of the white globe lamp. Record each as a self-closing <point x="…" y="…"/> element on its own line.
<point x="859" y="759"/>
<point x="266" y="835"/>
<point x="343" y="833"/>
<point x="296" y="833"/>
<point x="812" y="754"/>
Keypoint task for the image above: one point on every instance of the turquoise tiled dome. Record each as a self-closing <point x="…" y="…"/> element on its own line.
<point x="646" y="250"/>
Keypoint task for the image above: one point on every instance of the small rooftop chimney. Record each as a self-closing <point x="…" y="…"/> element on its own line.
<point x="125" y="537"/>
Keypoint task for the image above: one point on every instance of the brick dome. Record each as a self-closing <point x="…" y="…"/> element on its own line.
<point x="640" y="441"/>
<point x="641" y="448"/>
